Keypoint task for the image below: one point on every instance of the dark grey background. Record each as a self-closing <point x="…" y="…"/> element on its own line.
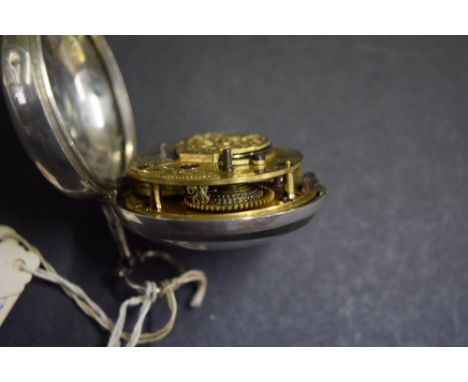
<point x="382" y="121"/>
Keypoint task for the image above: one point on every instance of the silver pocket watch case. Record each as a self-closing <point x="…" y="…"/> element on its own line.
<point x="73" y="115"/>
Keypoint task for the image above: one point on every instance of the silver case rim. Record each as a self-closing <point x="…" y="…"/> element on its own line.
<point x="39" y="129"/>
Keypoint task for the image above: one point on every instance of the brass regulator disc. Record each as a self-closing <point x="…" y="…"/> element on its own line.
<point x="209" y="145"/>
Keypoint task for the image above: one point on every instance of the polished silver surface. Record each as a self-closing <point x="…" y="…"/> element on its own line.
<point x="71" y="110"/>
<point x="222" y="233"/>
<point x="72" y="113"/>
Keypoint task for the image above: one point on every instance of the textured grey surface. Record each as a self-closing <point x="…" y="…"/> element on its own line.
<point x="382" y="121"/>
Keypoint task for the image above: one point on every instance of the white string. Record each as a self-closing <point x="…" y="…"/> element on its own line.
<point x="151" y="294"/>
<point x="146" y="299"/>
<point x="73" y="288"/>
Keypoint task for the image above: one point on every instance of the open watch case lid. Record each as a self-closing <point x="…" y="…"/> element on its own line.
<point x="71" y="110"/>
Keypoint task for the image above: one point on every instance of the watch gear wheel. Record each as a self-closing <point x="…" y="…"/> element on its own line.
<point x="215" y="175"/>
<point x="236" y="197"/>
<point x="208" y="147"/>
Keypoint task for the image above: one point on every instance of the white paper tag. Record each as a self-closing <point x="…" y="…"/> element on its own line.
<point x="12" y="278"/>
<point x="5" y="230"/>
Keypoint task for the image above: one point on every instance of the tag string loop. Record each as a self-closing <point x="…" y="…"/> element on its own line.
<point x="147" y="296"/>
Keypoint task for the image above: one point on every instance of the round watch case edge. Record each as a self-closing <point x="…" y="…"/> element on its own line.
<point x="41" y="129"/>
<point x="46" y="139"/>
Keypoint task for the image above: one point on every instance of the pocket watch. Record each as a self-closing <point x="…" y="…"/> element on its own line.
<point x="212" y="190"/>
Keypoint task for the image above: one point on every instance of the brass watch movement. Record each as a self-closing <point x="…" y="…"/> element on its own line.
<point x="214" y="190"/>
<point x="221" y="174"/>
